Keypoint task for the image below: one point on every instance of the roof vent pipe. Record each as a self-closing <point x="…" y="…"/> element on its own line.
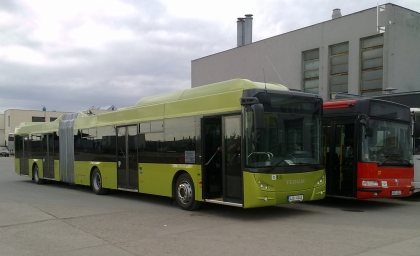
<point x="241" y="27"/>
<point x="336" y="14"/>
<point x="248" y="29"/>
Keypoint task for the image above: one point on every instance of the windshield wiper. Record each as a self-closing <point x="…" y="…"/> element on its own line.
<point x="389" y="157"/>
<point x="274" y="166"/>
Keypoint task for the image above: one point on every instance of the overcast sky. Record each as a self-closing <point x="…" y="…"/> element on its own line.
<point x="73" y="55"/>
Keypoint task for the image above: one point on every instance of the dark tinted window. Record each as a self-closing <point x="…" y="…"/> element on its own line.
<point x="389" y="110"/>
<point x="105" y="144"/>
<point x="19" y="146"/>
<point x="35" y="145"/>
<point x="152" y="148"/>
<point x="180" y="140"/>
<point x="86" y="145"/>
<point x="38" y="119"/>
<point x="289" y="103"/>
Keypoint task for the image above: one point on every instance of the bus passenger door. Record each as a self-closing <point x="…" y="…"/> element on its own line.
<point x="344" y="142"/>
<point x="211" y="130"/>
<point x="232" y="171"/>
<point x="48" y="153"/>
<point x="21" y="152"/>
<point x="127" y="174"/>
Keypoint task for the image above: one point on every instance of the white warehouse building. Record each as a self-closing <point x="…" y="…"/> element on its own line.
<point x="370" y="52"/>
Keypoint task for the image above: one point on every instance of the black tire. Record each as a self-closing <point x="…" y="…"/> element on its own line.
<point x="184" y="193"/>
<point x="35" y="175"/>
<point x="96" y="183"/>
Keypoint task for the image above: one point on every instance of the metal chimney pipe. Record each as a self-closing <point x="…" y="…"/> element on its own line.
<point x="336" y="14"/>
<point x="248" y="29"/>
<point x="240" y="32"/>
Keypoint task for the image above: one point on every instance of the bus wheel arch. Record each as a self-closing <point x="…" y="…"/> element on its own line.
<point x="96" y="181"/>
<point x="35" y="174"/>
<point x="184" y="191"/>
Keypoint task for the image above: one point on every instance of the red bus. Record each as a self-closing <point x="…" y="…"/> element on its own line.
<point x="367" y="148"/>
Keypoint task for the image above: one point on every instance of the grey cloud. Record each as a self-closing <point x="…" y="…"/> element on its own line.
<point x="156" y="60"/>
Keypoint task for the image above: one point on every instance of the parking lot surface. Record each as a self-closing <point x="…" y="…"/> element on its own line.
<point x="62" y="219"/>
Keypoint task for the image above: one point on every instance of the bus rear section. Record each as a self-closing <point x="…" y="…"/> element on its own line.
<point x="367" y="149"/>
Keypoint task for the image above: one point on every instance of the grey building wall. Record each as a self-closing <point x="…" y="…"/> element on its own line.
<point x="403" y="40"/>
<point x="279" y="59"/>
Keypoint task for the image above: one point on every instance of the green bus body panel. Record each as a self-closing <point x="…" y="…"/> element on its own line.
<point x="220" y="97"/>
<point x="57" y="170"/>
<point x="82" y="122"/>
<point x="82" y="172"/>
<point x="278" y="190"/>
<point x="17" y="166"/>
<point x="209" y="90"/>
<point x="204" y="105"/>
<point x="129" y="116"/>
<point x="157" y="179"/>
<point x="47" y="127"/>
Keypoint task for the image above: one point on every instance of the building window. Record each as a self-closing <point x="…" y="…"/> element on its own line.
<point x="372" y="65"/>
<point x="311" y="71"/>
<point x="339" y="68"/>
<point x="38" y="119"/>
<point x="52" y="119"/>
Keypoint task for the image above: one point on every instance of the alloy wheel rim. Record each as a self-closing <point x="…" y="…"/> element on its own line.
<point x="97" y="181"/>
<point x="184" y="192"/>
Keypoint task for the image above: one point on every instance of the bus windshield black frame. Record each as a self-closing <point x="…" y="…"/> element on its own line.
<point x="289" y="141"/>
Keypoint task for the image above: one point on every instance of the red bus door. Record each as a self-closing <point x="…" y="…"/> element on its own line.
<point x="344" y="153"/>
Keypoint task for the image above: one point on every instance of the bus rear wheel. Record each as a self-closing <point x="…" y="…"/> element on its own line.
<point x="96" y="183"/>
<point x="35" y="175"/>
<point x="185" y="193"/>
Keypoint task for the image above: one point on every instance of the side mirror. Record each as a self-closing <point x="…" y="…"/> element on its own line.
<point x="258" y="116"/>
<point x="369" y="128"/>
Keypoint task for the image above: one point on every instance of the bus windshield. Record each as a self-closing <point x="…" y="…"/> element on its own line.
<point x="290" y="135"/>
<point x="388" y="145"/>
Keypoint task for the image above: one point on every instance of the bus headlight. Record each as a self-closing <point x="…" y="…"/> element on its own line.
<point x="321" y="181"/>
<point x="370" y="183"/>
<point x="262" y="185"/>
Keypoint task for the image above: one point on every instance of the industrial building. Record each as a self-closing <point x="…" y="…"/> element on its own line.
<point x="371" y="52"/>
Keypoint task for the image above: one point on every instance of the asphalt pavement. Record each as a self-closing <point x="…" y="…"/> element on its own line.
<point x="62" y="219"/>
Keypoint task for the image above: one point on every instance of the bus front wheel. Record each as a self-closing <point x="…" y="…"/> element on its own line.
<point x="96" y="183"/>
<point x="35" y="175"/>
<point x="185" y="193"/>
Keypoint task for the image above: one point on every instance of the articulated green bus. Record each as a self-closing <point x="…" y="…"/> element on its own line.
<point x="238" y="143"/>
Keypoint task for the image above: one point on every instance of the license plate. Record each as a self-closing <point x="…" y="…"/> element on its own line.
<point x="396" y="193"/>
<point x="295" y="198"/>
